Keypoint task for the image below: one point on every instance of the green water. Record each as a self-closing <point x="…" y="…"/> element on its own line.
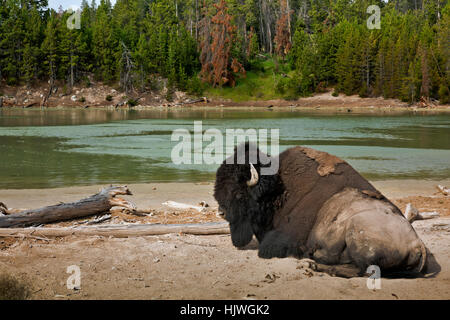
<point x="53" y="148"/>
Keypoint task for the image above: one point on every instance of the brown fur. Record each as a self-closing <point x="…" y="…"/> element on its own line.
<point x="307" y="190"/>
<point x="317" y="206"/>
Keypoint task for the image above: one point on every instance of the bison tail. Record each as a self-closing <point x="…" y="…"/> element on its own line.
<point x="423" y="258"/>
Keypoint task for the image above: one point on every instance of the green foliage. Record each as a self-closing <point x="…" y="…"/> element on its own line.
<point x="169" y="93"/>
<point x="109" y="97"/>
<point x="331" y="46"/>
<point x="259" y="85"/>
<point x="195" y="86"/>
<point x="87" y="82"/>
<point x="36" y="44"/>
<point x="405" y="59"/>
<point x="132" y="102"/>
<point x="281" y="85"/>
<point x="444" y="94"/>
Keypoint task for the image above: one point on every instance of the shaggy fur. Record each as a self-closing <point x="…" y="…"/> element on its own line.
<point x="287" y="213"/>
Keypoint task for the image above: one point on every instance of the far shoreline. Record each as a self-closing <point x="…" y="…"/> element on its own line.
<point x="320" y="103"/>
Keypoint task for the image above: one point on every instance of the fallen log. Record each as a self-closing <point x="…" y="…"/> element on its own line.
<point x="29" y="105"/>
<point x="121" y="231"/>
<point x="424" y="102"/>
<point x="93" y="205"/>
<point x="202" y="99"/>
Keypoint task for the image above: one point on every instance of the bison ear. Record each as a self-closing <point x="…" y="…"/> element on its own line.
<point x="241" y="233"/>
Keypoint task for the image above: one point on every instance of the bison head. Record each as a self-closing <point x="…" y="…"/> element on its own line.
<point x="245" y="197"/>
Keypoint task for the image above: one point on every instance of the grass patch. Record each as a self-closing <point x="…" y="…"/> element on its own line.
<point x="263" y="84"/>
<point x="132" y="102"/>
<point x="12" y="289"/>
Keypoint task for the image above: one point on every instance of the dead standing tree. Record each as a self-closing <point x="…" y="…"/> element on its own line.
<point x="218" y="66"/>
<point x="127" y="66"/>
<point x="205" y="44"/>
<point x="283" y="31"/>
<point x="266" y="23"/>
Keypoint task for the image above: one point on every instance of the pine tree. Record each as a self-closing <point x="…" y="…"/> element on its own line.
<point x="142" y="60"/>
<point x="442" y="54"/>
<point x="346" y="68"/>
<point x="410" y="84"/>
<point x="12" y="41"/>
<point x="30" y="68"/>
<point x="105" y="46"/>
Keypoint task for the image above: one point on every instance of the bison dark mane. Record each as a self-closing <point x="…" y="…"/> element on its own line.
<point x="250" y="210"/>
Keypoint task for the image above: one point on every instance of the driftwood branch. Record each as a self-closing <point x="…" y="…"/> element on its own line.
<point x="29" y="105"/>
<point x="121" y="231"/>
<point x="202" y="99"/>
<point x="183" y="206"/>
<point x="444" y="190"/>
<point x="94" y="205"/>
<point x="3" y="209"/>
<point x="413" y="214"/>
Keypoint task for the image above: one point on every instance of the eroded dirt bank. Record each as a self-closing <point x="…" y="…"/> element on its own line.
<point x="99" y="95"/>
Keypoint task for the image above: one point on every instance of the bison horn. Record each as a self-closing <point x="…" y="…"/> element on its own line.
<point x="254" y="176"/>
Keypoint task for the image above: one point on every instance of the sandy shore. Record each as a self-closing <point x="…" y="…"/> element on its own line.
<point x="177" y="266"/>
<point x="152" y="195"/>
<point x="327" y="102"/>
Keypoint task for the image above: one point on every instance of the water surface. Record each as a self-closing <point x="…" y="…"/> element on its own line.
<point x="54" y="148"/>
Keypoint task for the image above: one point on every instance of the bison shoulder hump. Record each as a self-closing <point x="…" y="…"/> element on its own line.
<point x="326" y="162"/>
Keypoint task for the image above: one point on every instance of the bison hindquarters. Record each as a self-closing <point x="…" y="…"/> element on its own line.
<point x="352" y="228"/>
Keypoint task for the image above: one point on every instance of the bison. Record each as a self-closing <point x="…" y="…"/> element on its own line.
<point x="315" y="206"/>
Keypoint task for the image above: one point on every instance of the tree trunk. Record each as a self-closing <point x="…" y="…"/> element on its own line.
<point x="44" y="100"/>
<point x="121" y="231"/>
<point x="196" y="20"/>
<point x="288" y="8"/>
<point x="96" y="204"/>
<point x="71" y="70"/>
